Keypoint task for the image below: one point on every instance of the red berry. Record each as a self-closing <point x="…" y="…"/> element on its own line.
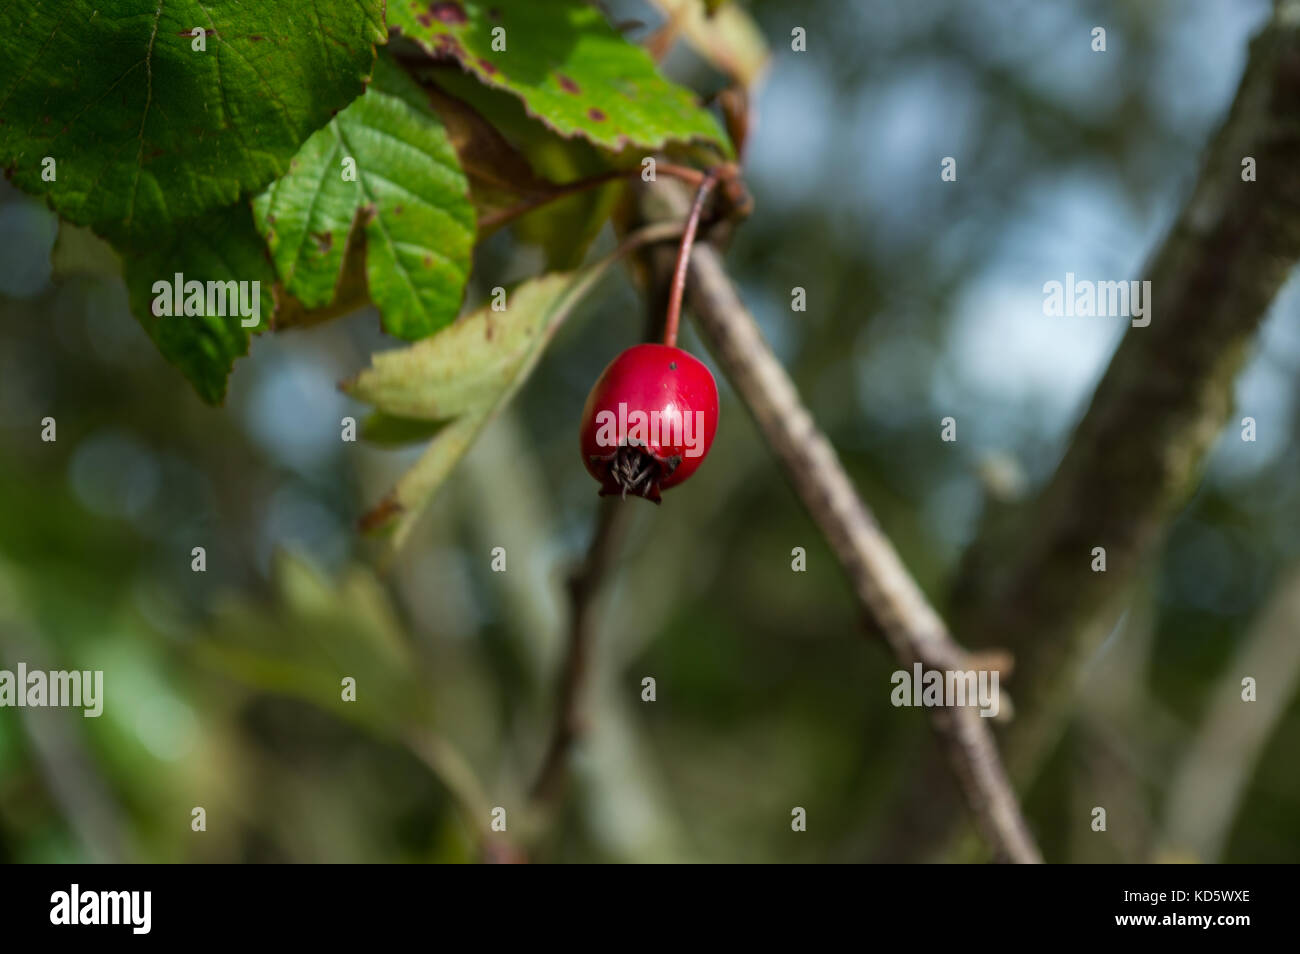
<point x="649" y="421"/>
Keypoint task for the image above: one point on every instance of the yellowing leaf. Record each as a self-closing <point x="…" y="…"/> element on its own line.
<point x="726" y="36"/>
<point x="460" y="379"/>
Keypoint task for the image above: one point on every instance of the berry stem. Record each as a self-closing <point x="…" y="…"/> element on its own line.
<point x="684" y="257"/>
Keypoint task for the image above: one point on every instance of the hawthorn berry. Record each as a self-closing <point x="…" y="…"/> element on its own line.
<point x="649" y="421"/>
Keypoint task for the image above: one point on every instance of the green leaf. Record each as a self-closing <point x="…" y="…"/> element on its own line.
<point x="460" y="379"/>
<point x="567" y="64"/>
<point x="145" y="131"/>
<point x="317" y="631"/>
<point x="220" y="247"/>
<point x="404" y="192"/>
<point x="389" y="430"/>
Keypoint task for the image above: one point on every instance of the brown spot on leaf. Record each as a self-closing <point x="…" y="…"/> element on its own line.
<point x="255" y="38"/>
<point x="398" y="210"/>
<point x="596" y="114"/>
<point x="448" y="12"/>
<point x="568" y="85"/>
<point x="427" y="261"/>
<point x="324" y="240"/>
<point x="380" y="514"/>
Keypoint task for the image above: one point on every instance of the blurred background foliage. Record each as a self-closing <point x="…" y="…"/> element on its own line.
<point x="924" y="300"/>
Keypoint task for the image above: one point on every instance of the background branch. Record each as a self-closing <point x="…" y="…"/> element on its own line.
<point x="1140" y="448"/>
<point x="1211" y="783"/>
<point x="72" y="775"/>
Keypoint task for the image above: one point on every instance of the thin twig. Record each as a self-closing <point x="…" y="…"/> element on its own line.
<point x="584" y="586"/>
<point x="674" y="317"/>
<point x="660" y="43"/>
<point x="451" y="768"/>
<point x="563" y="191"/>
<point x="885" y="591"/>
<point x="60" y="752"/>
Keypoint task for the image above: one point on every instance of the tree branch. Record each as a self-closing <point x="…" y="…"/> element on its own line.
<point x="1211" y="783"/>
<point x="1139" y="451"/>
<point x="584" y="586"/>
<point x="1140" y="448"/>
<point x="885" y="591"/>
